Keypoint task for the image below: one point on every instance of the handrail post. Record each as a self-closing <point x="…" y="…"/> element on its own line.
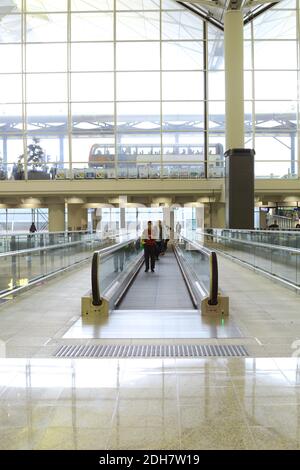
<point x="96" y="301"/>
<point x="215" y="304"/>
<point x="95" y="305"/>
<point x="213" y="279"/>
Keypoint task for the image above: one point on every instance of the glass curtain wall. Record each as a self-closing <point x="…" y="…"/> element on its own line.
<point x="106" y="89"/>
<point x="20" y="220"/>
<point x="215" y="109"/>
<point x="135" y="89"/>
<point x="271" y="58"/>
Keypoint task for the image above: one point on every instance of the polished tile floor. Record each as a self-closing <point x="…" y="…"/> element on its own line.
<point x="154" y="324"/>
<point x="209" y="403"/>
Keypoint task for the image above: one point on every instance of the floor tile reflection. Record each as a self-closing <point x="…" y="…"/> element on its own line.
<point x="206" y="403"/>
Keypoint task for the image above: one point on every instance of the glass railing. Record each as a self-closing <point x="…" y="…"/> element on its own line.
<point x="111" y="264"/>
<point x="144" y="166"/>
<point x="202" y="268"/>
<point x="275" y="253"/>
<point x="286" y="238"/>
<point x="24" y="267"/>
<point x="176" y="167"/>
<point x="26" y="241"/>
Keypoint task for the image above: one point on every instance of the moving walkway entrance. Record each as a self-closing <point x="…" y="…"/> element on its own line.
<point x="164" y="304"/>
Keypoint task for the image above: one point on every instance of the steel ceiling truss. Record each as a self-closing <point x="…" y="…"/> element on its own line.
<point x="103" y="125"/>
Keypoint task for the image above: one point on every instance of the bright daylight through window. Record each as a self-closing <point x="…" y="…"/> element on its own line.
<point x="116" y="88"/>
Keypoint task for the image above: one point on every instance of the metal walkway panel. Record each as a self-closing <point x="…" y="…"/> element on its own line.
<point x="163" y="290"/>
<point x="152" y="350"/>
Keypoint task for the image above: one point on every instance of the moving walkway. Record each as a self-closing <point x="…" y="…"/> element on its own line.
<point x="186" y="278"/>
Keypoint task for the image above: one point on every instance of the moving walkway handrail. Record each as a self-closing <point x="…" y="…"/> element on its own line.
<point x="95" y="275"/>
<point x="56" y="246"/>
<point x="248" y="242"/>
<point x="45" y="238"/>
<point x="51" y="260"/>
<point x="41" y="248"/>
<point x="265" y="231"/>
<point x="213" y="271"/>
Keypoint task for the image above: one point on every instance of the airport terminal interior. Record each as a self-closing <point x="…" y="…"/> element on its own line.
<point x="114" y="113"/>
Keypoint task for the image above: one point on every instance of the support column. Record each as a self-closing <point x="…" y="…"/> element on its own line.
<point x="77" y="217"/>
<point x="239" y="162"/>
<point x="199" y="213"/>
<point x="172" y="217"/>
<point x="122" y="218"/>
<point x="56" y="217"/>
<point x="167" y="218"/>
<point x="97" y="218"/>
<point x="263" y="220"/>
<point x="207" y="216"/>
<point x="217" y="214"/>
<point x="234" y="78"/>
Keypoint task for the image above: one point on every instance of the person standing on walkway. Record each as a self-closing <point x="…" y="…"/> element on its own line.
<point x="178" y="230"/>
<point x="160" y="240"/>
<point x="149" y="238"/>
<point x="166" y="238"/>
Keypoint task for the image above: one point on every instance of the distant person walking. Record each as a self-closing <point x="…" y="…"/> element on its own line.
<point x="167" y="231"/>
<point x="30" y="238"/>
<point x="274" y="225"/>
<point x="178" y="230"/>
<point x="149" y="238"/>
<point x="32" y="228"/>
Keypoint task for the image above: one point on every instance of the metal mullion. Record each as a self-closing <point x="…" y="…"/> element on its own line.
<point x="251" y="16"/>
<point x="184" y="40"/>
<point x="77" y="12"/>
<point x="53" y="12"/>
<point x="274" y="70"/>
<point x="298" y="84"/>
<point x="49" y="72"/>
<point x="273" y="40"/>
<point x="105" y="41"/>
<point x="160" y="92"/>
<point x="148" y="40"/>
<point x="271" y="100"/>
<point x="24" y="87"/>
<point x="148" y="71"/>
<point x="40" y="43"/>
<point x="206" y="104"/>
<point x="69" y="116"/>
<point x="115" y="85"/>
<point x="253" y="88"/>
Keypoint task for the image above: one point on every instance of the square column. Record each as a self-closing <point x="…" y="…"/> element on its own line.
<point x="77" y="217"/>
<point x="239" y="188"/>
<point x="56" y="217"/>
<point x="234" y="78"/>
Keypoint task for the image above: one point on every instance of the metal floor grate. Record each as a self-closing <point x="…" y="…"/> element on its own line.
<point x="151" y="350"/>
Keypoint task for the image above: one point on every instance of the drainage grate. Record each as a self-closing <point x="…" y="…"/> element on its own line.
<point x="151" y="350"/>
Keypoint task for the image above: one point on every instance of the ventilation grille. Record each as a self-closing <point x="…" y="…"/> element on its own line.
<point x="151" y="350"/>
